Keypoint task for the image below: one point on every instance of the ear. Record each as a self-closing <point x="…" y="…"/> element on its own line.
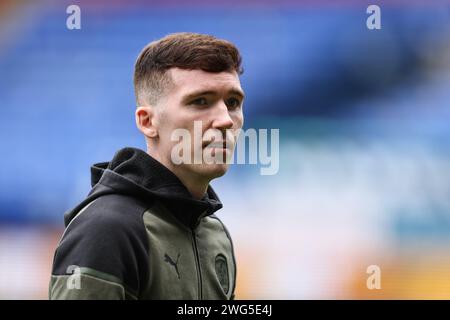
<point x="146" y="121"/>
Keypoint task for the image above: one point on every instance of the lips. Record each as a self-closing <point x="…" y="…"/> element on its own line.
<point x="217" y="144"/>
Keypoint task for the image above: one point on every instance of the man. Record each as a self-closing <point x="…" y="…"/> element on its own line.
<point x="147" y="229"/>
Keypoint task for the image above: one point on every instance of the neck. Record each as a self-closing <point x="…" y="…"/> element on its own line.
<point x="197" y="186"/>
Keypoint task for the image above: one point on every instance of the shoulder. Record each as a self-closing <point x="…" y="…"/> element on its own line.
<point x="120" y="212"/>
<point x="110" y="220"/>
<point x="216" y="220"/>
<point x="108" y="236"/>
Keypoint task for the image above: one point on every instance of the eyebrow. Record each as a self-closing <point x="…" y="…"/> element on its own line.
<point x="198" y="93"/>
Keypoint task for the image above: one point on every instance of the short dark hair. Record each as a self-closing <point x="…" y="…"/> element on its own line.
<point x="183" y="50"/>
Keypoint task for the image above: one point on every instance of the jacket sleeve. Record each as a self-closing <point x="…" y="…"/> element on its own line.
<point x="103" y="253"/>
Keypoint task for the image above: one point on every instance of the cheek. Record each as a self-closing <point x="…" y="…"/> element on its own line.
<point x="172" y="118"/>
<point x="238" y="120"/>
<point x="171" y="128"/>
<point x="184" y="117"/>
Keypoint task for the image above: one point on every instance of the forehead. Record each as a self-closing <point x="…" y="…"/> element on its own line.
<point x="187" y="81"/>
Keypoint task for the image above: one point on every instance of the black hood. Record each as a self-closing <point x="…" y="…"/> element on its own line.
<point x="134" y="172"/>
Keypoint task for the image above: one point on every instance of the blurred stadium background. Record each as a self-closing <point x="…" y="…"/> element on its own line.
<point x="364" y="119"/>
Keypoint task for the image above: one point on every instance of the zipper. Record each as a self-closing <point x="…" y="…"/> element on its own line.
<point x="197" y="262"/>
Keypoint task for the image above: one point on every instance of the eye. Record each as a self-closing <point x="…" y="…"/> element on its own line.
<point x="200" y="102"/>
<point x="233" y="103"/>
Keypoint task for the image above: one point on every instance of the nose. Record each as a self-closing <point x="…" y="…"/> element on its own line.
<point x="222" y="119"/>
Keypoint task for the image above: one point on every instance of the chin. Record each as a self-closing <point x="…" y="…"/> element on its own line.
<point x="219" y="169"/>
<point x="212" y="171"/>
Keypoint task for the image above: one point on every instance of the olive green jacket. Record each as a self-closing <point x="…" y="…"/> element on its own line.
<point x="140" y="235"/>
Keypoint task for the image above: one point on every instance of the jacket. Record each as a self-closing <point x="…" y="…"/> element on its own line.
<point x="139" y="234"/>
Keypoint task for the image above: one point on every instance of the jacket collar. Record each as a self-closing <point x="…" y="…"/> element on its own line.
<point x="134" y="172"/>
